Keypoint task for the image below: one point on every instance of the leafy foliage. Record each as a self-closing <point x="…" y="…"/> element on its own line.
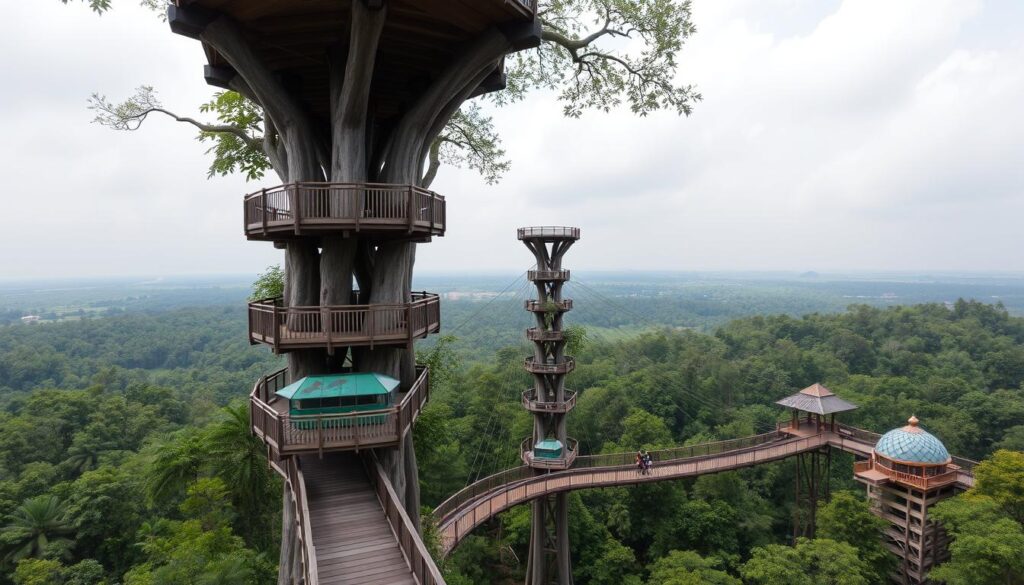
<point x="599" y="54"/>
<point x="231" y="151"/>
<point x="811" y="562"/>
<point x="986" y="544"/>
<point x="268" y="285"/>
<point x="846" y="518"/>
<point x="39" y="526"/>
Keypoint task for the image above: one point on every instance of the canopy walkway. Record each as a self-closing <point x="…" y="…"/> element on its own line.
<point x="352" y="526"/>
<point x="457" y="516"/>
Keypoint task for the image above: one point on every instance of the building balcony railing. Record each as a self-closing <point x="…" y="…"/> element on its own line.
<point x="544" y="307"/>
<point x="864" y="469"/>
<point x="548" y="275"/>
<point x="531" y="403"/>
<point x="537" y="334"/>
<point x="288" y="328"/>
<point x="549" y="232"/>
<point x="569" y="452"/>
<point x="297" y="209"/>
<point x="535" y="367"/>
<point x="288" y="434"/>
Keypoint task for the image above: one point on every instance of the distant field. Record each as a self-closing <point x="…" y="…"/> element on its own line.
<point x="487" y="308"/>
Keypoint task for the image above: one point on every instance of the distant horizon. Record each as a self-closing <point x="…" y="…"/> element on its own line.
<point x="156" y="278"/>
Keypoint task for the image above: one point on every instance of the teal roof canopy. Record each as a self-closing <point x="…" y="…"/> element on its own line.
<point x="912" y="444"/>
<point x="548" y="445"/>
<point x="338" y="385"/>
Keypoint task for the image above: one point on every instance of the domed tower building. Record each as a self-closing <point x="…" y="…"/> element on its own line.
<point x="909" y="471"/>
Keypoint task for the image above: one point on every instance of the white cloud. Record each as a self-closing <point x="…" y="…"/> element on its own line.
<point x="833" y="135"/>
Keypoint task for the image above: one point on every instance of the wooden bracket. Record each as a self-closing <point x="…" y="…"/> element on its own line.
<point x="523" y="35"/>
<point x="189" y="21"/>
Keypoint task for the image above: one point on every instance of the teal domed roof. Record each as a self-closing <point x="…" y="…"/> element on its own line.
<point x="912" y="444"/>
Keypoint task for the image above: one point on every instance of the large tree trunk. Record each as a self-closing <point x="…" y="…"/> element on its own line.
<point x="322" y="272"/>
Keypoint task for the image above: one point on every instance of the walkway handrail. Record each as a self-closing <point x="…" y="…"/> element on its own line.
<point x="480" y="487"/>
<point x="480" y="500"/>
<point x="677" y="453"/>
<point x="424" y="569"/>
<point x="302" y="519"/>
<point x="456" y="522"/>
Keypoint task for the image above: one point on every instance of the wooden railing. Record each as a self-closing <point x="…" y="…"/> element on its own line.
<point x="286" y="328"/>
<point x="537" y="334"/>
<point x="922" y="482"/>
<point x="303" y="524"/>
<point x="530" y="402"/>
<point x="533" y="366"/>
<point x="542" y="307"/>
<point x="424" y="570"/>
<point x="287" y="434"/>
<point x="547" y="275"/>
<point x="680" y="453"/>
<point x="549" y="231"/>
<point x="480" y="500"/>
<point x="294" y="208"/>
<point x="526" y="7"/>
<point x="456" y="520"/>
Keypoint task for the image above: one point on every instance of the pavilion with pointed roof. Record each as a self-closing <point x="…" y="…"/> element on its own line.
<point x="818" y="402"/>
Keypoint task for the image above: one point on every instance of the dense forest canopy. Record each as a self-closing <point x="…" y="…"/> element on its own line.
<point x="125" y="441"/>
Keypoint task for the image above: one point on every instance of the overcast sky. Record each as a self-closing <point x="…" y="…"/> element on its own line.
<point x="833" y="135"/>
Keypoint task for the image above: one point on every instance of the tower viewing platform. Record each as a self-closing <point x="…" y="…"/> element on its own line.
<point x="367" y="209"/>
<point x="290" y="328"/>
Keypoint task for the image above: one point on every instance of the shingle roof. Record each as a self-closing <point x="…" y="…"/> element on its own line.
<point x="912" y="444"/>
<point x="816" y="399"/>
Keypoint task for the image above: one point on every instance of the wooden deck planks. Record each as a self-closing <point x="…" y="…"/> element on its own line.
<point x="354" y="542"/>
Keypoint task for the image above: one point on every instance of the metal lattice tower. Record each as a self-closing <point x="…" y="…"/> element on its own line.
<point x="549" y="448"/>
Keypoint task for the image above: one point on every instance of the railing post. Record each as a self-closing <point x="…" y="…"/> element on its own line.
<point x="263" y="204"/>
<point x="278" y="322"/>
<point x="408" y="324"/>
<point x="412" y="206"/>
<point x="293" y="196"/>
<point x="433" y="204"/>
<point x="360" y="195"/>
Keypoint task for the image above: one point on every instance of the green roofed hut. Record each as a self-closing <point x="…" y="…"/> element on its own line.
<point x="548" y="449"/>
<point x="318" y="396"/>
<point x="820" y="404"/>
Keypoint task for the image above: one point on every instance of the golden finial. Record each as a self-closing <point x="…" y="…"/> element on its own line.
<point x="912" y="420"/>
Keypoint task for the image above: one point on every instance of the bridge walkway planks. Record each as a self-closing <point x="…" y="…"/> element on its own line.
<point x="354" y="543"/>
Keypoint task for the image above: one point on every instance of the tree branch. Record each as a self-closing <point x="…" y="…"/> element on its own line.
<point x="435" y="163"/>
<point x="293" y="125"/>
<point x="350" y="94"/>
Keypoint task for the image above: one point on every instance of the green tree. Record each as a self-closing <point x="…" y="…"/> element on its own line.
<point x="686" y="567"/>
<point x="38" y="525"/>
<point x="176" y="463"/>
<point x="269" y="284"/>
<point x="107" y="506"/>
<point x="986" y="545"/>
<point x="846" y="517"/>
<point x="239" y="459"/>
<point x="820" y="561"/>
<point x="38" y="572"/>
<point x="1001" y="477"/>
<point x="186" y="553"/>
